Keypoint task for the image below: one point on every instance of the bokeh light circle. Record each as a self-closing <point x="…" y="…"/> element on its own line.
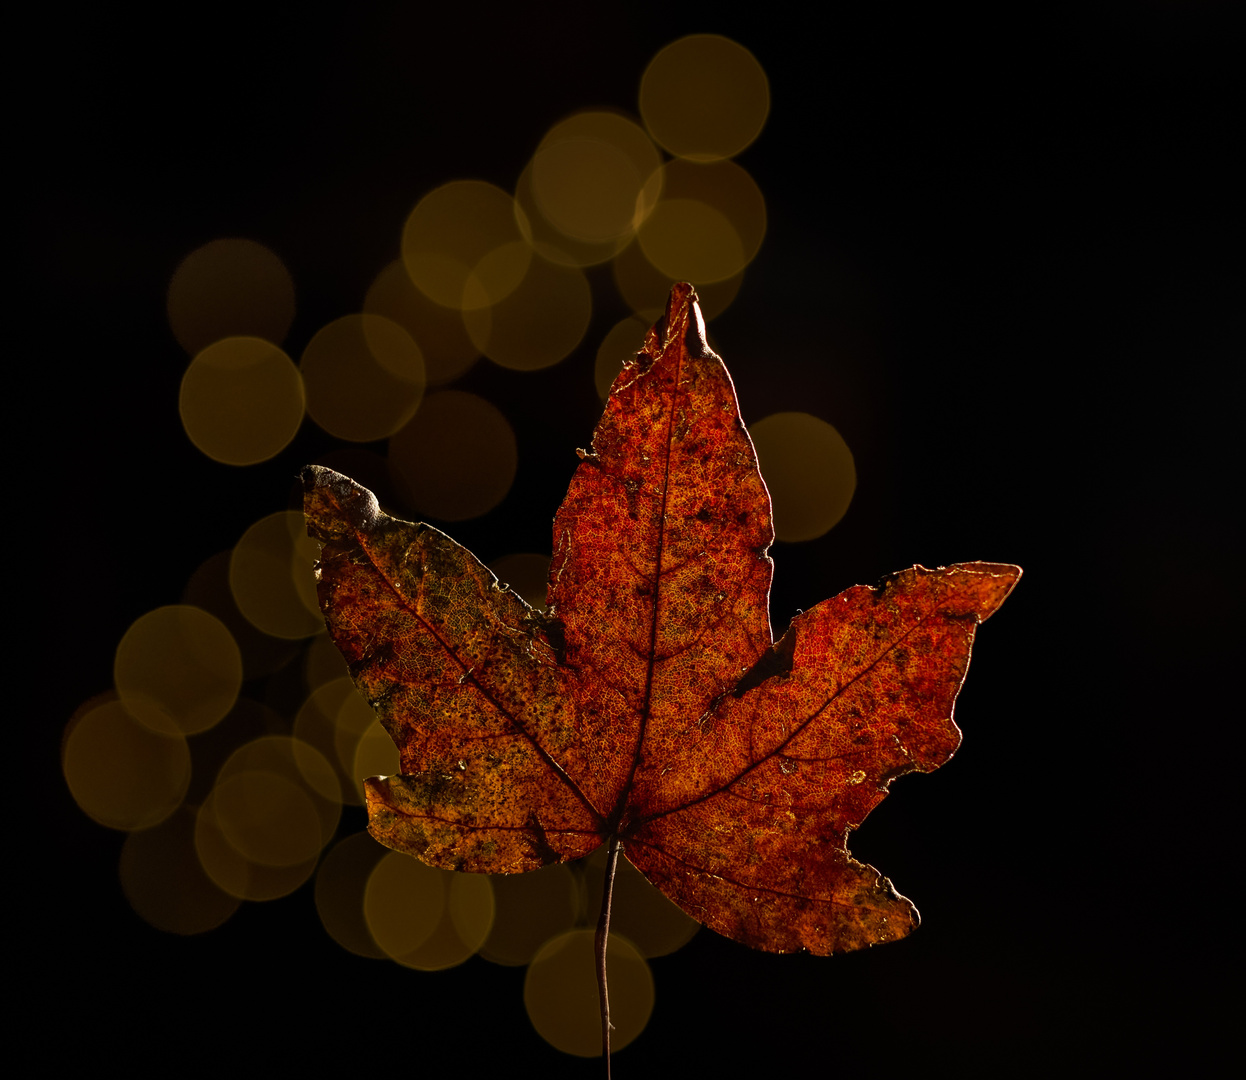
<point x="122" y="773"/>
<point x="272" y="578"/>
<point x="437" y="330"/>
<point x="539" y="323"/>
<point x="708" y="225"/>
<point x="230" y="288"/>
<point x="181" y="664"/>
<point x="340" y="884"/>
<point x="364" y="377"/>
<point x="403" y="902"/>
<point x="241" y="400"/>
<point x="809" y="471"/>
<point x="590" y="176"/>
<point x="451" y="231"/>
<point x="704" y="97"/>
<point x="560" y="993"/>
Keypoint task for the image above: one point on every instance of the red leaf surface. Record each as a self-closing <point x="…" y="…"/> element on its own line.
<point x="650" y="703"/>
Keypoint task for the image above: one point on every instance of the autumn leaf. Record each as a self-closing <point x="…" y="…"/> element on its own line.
<point x="650" y="706"/>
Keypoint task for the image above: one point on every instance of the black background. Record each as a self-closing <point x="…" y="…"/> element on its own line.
<point x="1000" y="259"/>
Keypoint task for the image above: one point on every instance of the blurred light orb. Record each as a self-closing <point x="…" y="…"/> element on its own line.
<point x="229" y="288"/>
<point x="232" y="872"/>
<point x="704" y="97"/>
<point x="122" y="773"/>
<point x="241" y="400"/>
<point x="267" y="818"/>
<point x="179" y="664"/>
<point x="809" y="471"/>
<point x="538" y="324"/>
<point x="438" y="331"/>
<point x="340" y="884"/>
<point x="403" y="902"/>
<point x="560" y="993"/>
<point x="364" y="377"/>
<point x="709" y="224"/>
<point x="272" y="576"/>
<point x="688" y="240"/>
<point x="448" y="236"/>
<point x="590" y="176"/>
<point x="646" y="289"/>
<point x="457" y="458"/>
<point x="531" y="909"/>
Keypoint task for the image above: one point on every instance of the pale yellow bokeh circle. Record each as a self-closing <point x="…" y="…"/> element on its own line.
<point x="560" y="993"/>
<point x="646" y="289"/>
<point x="272" y="578"/>
<point x="809" y="471"/>
<point x="340" y="883"/>
<point x="230" y="288"/>
<point x="364" y="377"/>
<point x="181" y="664"/>
<point x="708" y="225"/>
<point x="704" y="97"/>
<point x="375" y="755"/>
<point x="299" y="764"/>
<point x="403" y="903"/>
<point x="232" y="872"/>
<point x="437" y="330"/>
<point x="589" y="176"/>
<point x="531" y="909"/>
<point x="241" y="400"/>
<point x="122" y="773"/>
<point x="450" y="233"/>
<point x="267" y="818"/>
<point x="688" y="240"/>
<point x="538" y="323"/>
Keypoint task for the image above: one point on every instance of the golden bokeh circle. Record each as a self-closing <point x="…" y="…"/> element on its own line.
<point x="272" y="579"/>
<point x="403" y="903"/>
<point x="451" y="231"/>
<point x="340" y="884"/>
<point x="230" y="287"/>
<point x="704" y="97"/>
<point x="809" y="471"/>
<point x="364" y="377"/>
<point x="539" y="323"/>
<point x="122" y="773"/>
<point x="560" y="993"/>
<point x="178" y="663"/>
<point x="708" y="225"/>
<point x="531" y="909"/>
<point x="590" y="175"/>
<point x="438" y="331"/>
<point x="241" y="400"/>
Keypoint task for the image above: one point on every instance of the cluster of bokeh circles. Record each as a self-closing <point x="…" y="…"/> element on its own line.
<point x="229" y="798"/>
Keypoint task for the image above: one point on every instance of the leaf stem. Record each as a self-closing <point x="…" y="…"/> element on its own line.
<point x="603" y="933"/>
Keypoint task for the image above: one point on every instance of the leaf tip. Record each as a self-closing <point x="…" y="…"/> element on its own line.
<point x="334" y="504"/>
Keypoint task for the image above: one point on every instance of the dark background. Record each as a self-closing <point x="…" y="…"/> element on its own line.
<point x="999" y="259"/>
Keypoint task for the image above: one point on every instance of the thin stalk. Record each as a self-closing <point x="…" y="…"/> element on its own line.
<point x="603" y="933"/>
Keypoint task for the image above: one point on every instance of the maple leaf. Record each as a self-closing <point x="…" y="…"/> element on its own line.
<point x="649" y="706"/>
